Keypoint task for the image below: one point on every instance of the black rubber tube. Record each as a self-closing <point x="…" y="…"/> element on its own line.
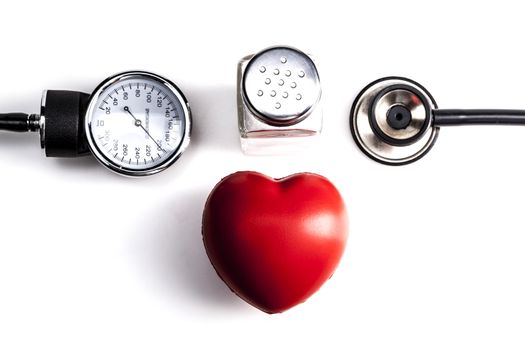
<point x="446" y="117"/>
<point x="14" y="122"/>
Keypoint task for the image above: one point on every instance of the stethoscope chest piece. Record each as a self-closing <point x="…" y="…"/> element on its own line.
<point x="391" y="121"/>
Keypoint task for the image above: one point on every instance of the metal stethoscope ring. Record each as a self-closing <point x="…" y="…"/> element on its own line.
<point x="390" y="121"/>
<point x="396" y="121"/>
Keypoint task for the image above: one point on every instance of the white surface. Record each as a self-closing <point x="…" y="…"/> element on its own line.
<point x="91" y="260"/>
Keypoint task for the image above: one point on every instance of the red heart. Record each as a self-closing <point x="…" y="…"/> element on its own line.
<point x="274" y="242"/>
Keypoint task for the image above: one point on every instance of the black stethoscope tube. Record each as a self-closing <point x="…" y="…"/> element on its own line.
<point x="451" y="117"/>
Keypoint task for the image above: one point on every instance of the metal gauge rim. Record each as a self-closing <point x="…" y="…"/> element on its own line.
<point x="108" y="163"/>
<point x="374" y="146"/>
<point x="292" y="119"/>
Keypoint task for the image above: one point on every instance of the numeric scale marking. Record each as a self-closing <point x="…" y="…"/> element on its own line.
<point x="150" y="117"/>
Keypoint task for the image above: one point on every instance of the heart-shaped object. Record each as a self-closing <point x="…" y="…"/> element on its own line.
<point x="274" y="242"/>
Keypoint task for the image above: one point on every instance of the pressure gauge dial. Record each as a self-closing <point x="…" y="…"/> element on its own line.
<point x="137" y="123"/>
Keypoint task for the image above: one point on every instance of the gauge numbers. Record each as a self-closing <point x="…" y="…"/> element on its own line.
<point x="137" y="123"/>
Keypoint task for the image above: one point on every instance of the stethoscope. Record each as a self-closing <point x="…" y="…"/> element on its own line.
<point x="396" y="121"/>
<point x="135" y="123"/>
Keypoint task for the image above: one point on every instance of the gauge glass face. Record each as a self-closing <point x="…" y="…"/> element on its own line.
<point x="136" y="123"/>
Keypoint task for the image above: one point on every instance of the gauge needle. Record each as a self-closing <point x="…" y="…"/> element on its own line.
<point x="139" y="123"/>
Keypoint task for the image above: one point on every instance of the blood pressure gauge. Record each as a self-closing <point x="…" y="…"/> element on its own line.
<point x="137" y="123"/>
<point x="134" y="123"/>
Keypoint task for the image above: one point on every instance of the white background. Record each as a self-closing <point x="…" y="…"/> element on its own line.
<point x="91" y="260"/>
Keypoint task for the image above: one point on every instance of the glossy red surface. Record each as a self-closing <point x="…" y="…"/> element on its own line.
<point x="274" y="242"/>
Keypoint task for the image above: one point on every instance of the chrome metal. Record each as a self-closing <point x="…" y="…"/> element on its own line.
<point x="400" y="146"/>
<point x="280" y="85"/>
<point x="43" y="120"/>
<point x="411" y="102"/>
<point x="110" y="163"/>
<point x="33" y="122"/>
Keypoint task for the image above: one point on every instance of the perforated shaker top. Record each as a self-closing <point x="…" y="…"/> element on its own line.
<point x="281" y="84"/>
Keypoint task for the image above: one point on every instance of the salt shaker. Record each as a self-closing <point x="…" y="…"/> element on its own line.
<point x="278" y="95"/>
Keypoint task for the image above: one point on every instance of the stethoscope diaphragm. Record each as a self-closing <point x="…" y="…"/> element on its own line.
<point x="390" y="121"/>
<point x="396" y="121"/>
